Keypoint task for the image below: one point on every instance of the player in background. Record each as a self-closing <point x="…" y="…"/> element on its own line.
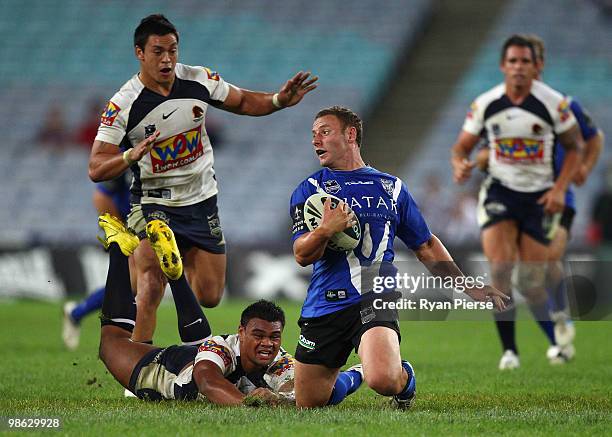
<point x="522" y="198"/>
<point x="155" y="125"/>
<point x="593" y="145"/>
<point x="249" y="367"/>
<point x="338" y="315"/>
<point x="111" y="197"/>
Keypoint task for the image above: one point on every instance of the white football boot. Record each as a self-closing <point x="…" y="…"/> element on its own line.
<point x="509" y="361"/>
<point x="560" y="354"/>
<point x="565" y="331"/>
<point x="71" y="331"/>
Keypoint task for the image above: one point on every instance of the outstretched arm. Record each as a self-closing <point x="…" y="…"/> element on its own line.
<point x="218" y="390"/>
<point x="245" y="102"/>
<point x="212" y="384"/>
<point x="438" y="261"/>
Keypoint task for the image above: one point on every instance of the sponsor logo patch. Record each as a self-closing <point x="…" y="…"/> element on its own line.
<point x="471" y="111"/>
<point x="298" y="218"/>
<point x="149" y="130"/>
<point x="332" y="186"/>
<point x="564" y="110"/>
<point x="388" y="185"/>
<point x="110" y="113"/>
<point x="217" y="349"/>
<point x="335" y="295"/>
<point x="519" y="150"/>
<point x="495" y="208"/>
<point x="304" y="342"/>
<point x="177" y="151"/>
<point x="212" y="75"/>
<point x="198" y="113"/>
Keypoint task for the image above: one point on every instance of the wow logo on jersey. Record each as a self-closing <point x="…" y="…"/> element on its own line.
<point x="177" y="151"/>
<point x="519" y="150"/>
<point x="110" y="113"/>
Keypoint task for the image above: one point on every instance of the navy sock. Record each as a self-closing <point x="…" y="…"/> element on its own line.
<point x="346" y="383"/>
<point x="558" y="296"/>
<point x="540" y="314"/>
<point x="505" y="322"/>
<point x="119" y="307"/>
<point x="91" y="303"/>
<point x="192" y="323"/>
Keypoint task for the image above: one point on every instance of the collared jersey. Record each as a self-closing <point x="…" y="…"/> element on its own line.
<point x="179" y="169"/>
<point x="521" y="137"/>
<point x="385" y="210"/>
<point x="224" y="351"/>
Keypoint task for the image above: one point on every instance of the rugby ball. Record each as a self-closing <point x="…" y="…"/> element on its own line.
<point x="313" y="215"/>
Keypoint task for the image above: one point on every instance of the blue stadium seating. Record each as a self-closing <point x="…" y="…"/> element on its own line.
<point x="66" y="52"/>
<point x="578" y="62"/>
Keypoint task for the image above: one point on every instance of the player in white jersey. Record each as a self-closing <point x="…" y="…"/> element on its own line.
<point x="248" y="367"/>
<point x="593" y="144"/>
<point x="521" y="200"/>
<point x="155" y="126"/>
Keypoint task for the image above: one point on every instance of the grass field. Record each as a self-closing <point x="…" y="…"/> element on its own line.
<point x="460" y="390"/>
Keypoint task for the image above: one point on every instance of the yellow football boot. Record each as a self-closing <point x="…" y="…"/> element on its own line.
<point x="163" y="243"/>
<point x="116" y="232"/>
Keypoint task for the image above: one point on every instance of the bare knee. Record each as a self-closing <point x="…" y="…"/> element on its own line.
<point x="210" y="293"/>
<point x="384" y="383"/>
<point x="209" y="300"/>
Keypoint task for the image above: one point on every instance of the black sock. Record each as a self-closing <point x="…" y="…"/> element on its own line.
<point x="192" y="323"/>
<point x="119" y="307"/>
<point x="505" y="322"/>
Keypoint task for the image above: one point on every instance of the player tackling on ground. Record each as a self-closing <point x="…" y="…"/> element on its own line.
<point x="247" y="367"/>
<point x="336" y="317"/>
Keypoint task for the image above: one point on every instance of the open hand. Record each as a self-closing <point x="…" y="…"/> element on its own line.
<point x="296" y="88"/>
<point x="487" y="293"/>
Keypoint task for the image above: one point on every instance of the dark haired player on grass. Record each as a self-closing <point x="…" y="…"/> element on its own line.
<point x="249" y="367"/>
<point x="155" y="125"/>
<point x="338" y="314"/>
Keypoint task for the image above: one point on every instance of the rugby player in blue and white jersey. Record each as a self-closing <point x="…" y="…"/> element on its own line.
<point x="338" y="315"/>
<point x="564" y="330"/>
<point x="522" y="199"/>
<point x="155" y="125"/>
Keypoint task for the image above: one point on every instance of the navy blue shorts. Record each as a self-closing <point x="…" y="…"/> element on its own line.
<point x="153" y="378"/>
<point x="194" y="225"/>
<point x="497" y="203"/>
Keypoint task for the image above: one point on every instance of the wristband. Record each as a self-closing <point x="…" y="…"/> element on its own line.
<point x="127" y="159"/>
<point x="275" y="102"/>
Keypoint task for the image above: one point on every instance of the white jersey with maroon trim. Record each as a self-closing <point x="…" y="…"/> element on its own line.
<point x="179" y="169"/>
<point x="521" y="137"/>
<point x="224" y="351"/>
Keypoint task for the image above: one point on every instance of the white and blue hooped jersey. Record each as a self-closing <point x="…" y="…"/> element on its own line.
<point x="385" y="210"/>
